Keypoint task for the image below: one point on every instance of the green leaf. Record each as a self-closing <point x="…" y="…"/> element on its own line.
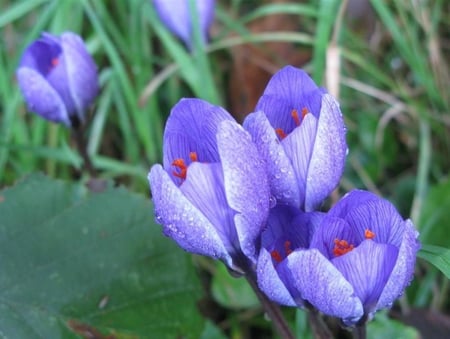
<point x="73" y="262"/>
<point x="383" y="327"/>
<point x="438" y="256"/>
<point x="230" y="292"/>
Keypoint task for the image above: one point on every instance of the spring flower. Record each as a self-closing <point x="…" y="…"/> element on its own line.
<point x="360" y="259"/>
<point x="299" y="130"/>
<point x="176" y="15"/>
<point x="58" y="78"/>
<point x="211" y="195"/>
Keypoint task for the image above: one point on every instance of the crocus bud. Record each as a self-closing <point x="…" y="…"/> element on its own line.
<point x="58" y="78"/>
<point x="175" y="14"/>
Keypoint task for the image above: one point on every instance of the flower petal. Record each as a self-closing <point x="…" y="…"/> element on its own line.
<point x="328" y="156"/>
<point x="246" y="184"/>
<point x="367" y="268"/>
<point x="182" y="221"/>
<point x="41" y="98"/>
<point x="81" y="72"/>
<point x="403" y="271"/>
<point x="282" y="179"/>
<point x="192" y="127"/>
<point x="270" y="283"/>
<point x="321" y="284"/>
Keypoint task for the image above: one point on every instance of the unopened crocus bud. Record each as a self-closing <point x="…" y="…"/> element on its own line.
<point x="176" y="15"/>
<point x="58" y="78"/>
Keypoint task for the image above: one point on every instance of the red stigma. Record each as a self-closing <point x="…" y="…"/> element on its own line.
<point x="368" y="234"/>
<point x="280" y="133"/>
<point x="341" y="247"/>
<point x="55" y="62"/>
<point x="276" y="256"/>
<point x="287" y="247"/>
<point x="295" y="116"/>
<point x="304" y="112"/>
<point x="182" y="167"/>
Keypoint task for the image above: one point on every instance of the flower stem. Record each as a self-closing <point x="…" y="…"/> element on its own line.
<point x="77" y="133"/>
<point x="318" y="326"/>
<point x="360" y="332"/>
<point x="272" y="310"/>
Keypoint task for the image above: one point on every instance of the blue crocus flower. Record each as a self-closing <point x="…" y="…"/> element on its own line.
<point x="360" y="259"/>
<point x="175" y="14"/>
<point x="58" y="78"/>
<point x="299" y="130"/>
<point x="211" y="194"/>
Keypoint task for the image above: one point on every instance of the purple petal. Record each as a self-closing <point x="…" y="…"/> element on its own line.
<point x="192" y="127"/>
<point x="321" y="284"/>
<point x="371" y="212"/>
<point x="269" y="282"/>
<point x="282" y="179"/>
<point x="41" y="98"/>
<point x="403" y="270"/>
<point x="328" y="156"/>
<point x="41" y="54"/>
<point x="332" y="228"/>
<point x="182" y="221"/>
<point x="367" y="268"/>
<point x="176" y="16"/>
<point x="350" y="200"/>
<point x="246" y="185"/>
<point x="81" y="72"/>
<point x="204" y="188"/>
<point x="298" y="146"/>
<point x="296" y="88"/>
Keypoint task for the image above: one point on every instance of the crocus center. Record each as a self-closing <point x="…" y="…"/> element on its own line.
<point x="277" y="256"/>
<point x="297" y="120"/>
<point x="181" y="167"/>
<point x="342" y="247"/>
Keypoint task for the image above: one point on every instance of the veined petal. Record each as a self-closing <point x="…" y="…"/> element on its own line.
<point x="41" y="97"/>
<point x="350" y="200"/>
<point x="330" y="229"/>
<point x="204" y="188"/>
<point x="328" y="156"/>
<point x="403" y="271"/>
<point x="298" y="146"/>
<point x="321" y="284"/>
<point x="81" y="72"/>
<point x="270" y="283"/>
<point x="192" y="127"/>
<point x="367" y="268"/>
<point x="282" y="178"/>
<point x="246" y="185"/>
<point x="182" y="221"/>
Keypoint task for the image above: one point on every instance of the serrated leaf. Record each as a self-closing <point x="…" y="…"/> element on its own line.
<point x="76" y="264"/>
<point x="438" y="256"/>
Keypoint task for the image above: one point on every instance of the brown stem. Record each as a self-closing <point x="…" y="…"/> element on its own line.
<point x="272" y="310"/>
<point x="360" y="332"/>
<point x="77" y="133"/>
<point x="318" y="326"/>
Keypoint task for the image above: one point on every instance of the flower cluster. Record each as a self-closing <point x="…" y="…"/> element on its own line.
<point x="250" y="196"/>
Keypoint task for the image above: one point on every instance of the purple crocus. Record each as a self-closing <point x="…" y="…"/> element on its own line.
<point x="211" y="194"/>
<point x="299" y="130"/>
<point x="176" y="15"/>
<point x="58" y="78"/>
<point x="360" y="259"/>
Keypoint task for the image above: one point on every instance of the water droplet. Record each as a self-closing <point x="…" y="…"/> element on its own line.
<point x="272" y="201"/>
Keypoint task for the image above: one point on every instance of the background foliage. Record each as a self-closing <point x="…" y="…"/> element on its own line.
<point x="74" y="262"/>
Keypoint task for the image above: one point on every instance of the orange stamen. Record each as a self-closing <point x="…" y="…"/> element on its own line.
<point x="281" y="134"/>
<point x="276" y="256"/>
<point x="193" y="156"/>
<point x="179" y="163"/>
<point x="287" y="247"/>
<point x="304" y="112"/>
<point x="341" y="247"/>
<point x="295" y="116"/>
<point x="368" y="234"/>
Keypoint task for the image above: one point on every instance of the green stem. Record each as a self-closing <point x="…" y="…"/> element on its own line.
<point x="360" y="332"/>
<point x="77" y="134"/>
<point x="318" y="326"/>
<point x="272" y="310"/>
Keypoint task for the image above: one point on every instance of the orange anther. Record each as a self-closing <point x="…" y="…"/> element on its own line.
<point x="304" y="112"/>
<point x="281" y="134"/>
<point x="287" y="247"/>
<point x="179" y="163"/>
<point x="193" y="156"/>
<point x="368" y="234"/>
<point x="276" y="256"/>
<point x="341" y="247"/>
<point x="55" y="62"/>
<point x="295" y="116"/>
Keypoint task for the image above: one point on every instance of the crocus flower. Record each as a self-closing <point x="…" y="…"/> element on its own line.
<point x="211" y="195"/>
<point x="176" y="15"/>
<point x="58" y="78"/>
<point x="360" y="259"/>
<point x="299" y="130"/>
